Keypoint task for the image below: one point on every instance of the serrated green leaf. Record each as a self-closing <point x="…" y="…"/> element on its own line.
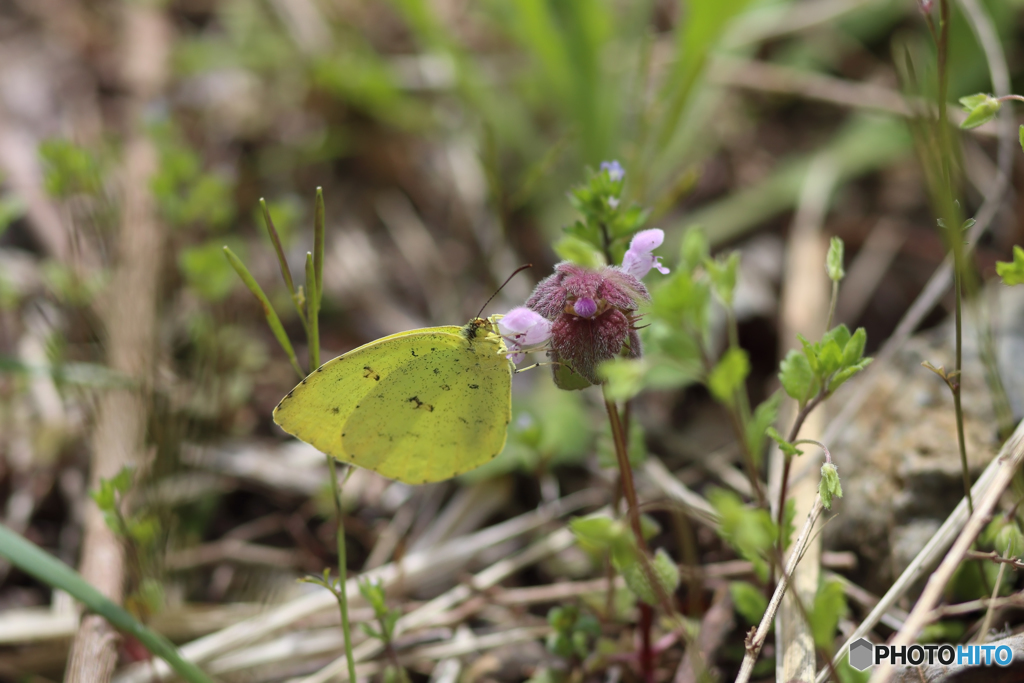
<point x="749" y="601"/>
<point x="728" y="375"/>
<point x="796" y="376"/>
<point x="834" y="260"/>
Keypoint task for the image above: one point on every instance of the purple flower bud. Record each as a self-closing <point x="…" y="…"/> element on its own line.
<point x="639" y="258"/>
<point x="925" y="6"/>
<point x="614" y="170"/>
<point x="585" y="307"/>
<point x="610" y="296"/>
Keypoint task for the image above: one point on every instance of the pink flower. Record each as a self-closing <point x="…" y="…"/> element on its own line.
<point x="592" y="314"/>
<point x="522" y="328"/>
<point x="639" y="258"/>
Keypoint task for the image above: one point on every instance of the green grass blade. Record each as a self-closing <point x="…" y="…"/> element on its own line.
<point x="312" y="313"/>
<point x="286" y="272"/>
<point x="38" y="563"/>
<point x="268" y="310"/>
<point x="318" y="246"/>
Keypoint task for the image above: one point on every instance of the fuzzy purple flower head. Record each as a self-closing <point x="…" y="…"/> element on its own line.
<point x="593" y="314"/>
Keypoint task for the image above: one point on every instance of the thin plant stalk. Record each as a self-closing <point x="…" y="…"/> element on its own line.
<point x="36" y="562"/>
<point x="342" y="592"/>
<point x="314" y="291"/>
<point x="952" y="222"/>
<point x="633" y="511"/>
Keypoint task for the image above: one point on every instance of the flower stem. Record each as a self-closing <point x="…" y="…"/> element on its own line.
<point x="633" y="510"/>
<point x="342" y="593"/>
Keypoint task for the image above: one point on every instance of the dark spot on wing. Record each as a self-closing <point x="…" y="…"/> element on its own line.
<point x="436" y="371"/>
<point x="445" y="387"/>
<point x="335" y="410"/>
<point x="320" y="369"/>
<point x="474" y="386"/>
<point x="369" y="373"/>
<point x="463" y="420"/>
<point x="414" y="353"/>
<point x="302" y="382"/>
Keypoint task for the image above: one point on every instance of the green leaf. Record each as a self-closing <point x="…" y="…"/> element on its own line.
<point x="1010" y="540"/>
<point x="122" y="481"/>
<point x="834" y="260"/>
<point x="854" y="349"/>
<point x="830" y="357"/>
<point x="847" y="373"/>
<point x="1020" y="137"/>
<point x="982" y="108"/>
<point x="623" y="377"/>
<point x="723" y="273"/>
<point x="728" y="375"/>
<point x="749" y="601"/>
<point x="579" y="251"/>
<point x="1012" y="273"/>
<point x="762" y="419"/>
<point x="829" y="487"/>
<point x="788" y="449"/>
<point x="970" y="102"/>
<point x="796" y="376"/>
<point x="749" y="531"/>
<point x="664" y="571"/>
<point x="829" y="607"/>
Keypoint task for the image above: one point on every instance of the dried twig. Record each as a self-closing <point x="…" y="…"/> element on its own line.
<point x="755" y="640"/>
<point x="1009" y="462"/>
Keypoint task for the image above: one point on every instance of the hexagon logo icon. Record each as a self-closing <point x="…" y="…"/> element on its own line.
<point x="862" y="654"/>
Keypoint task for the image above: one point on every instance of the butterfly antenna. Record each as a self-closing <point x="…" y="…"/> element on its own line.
<point x="507" y="280"/>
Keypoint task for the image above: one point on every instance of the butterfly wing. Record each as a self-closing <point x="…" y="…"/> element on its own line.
<point x="418" y="406"/>
<point x="317" y="408"/>
<point x="440" y="415"/>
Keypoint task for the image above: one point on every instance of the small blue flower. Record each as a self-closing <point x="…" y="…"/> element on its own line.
<point x="614" y="170"/>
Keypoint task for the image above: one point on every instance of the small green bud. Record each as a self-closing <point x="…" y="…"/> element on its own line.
<point x="834" y="260"/>
<point x="829" y="487"/>
<point x="982" y="108"/>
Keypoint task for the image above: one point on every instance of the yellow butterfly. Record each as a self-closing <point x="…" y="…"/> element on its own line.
<point x="418" y="406"/>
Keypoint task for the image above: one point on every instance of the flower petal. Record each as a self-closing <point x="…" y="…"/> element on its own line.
<point x="613" y="169"/>
<point x="638" y="259"/>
